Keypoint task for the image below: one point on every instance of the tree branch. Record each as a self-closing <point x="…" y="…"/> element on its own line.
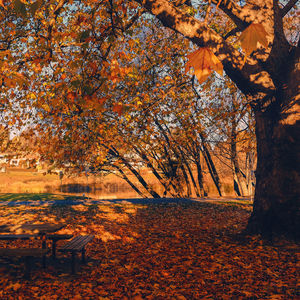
<point x="231" y="32"/>
<point x="288" y="7"/>
<point x="202" y="36"/>
<point x="233" y="11"/>
<point x="133" y="19"/>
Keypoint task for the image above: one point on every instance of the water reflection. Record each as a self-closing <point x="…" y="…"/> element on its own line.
<point x="99" y="191"/>
<point x="110" y="186"/>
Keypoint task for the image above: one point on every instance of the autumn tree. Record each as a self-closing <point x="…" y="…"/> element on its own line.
<point x="269" y="78"/>
<point x="59" y="55"/>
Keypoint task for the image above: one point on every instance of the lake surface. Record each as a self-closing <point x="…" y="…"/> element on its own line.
<point x="98" y="191"/>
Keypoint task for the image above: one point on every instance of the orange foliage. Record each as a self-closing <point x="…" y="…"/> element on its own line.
<point x="251" y="36"/>
<point x="204" y="62"/>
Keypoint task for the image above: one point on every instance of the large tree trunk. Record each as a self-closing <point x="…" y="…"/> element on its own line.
<point x="276" y="202"/>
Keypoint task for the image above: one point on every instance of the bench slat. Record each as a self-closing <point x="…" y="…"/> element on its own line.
<point x="77" y="243"/>
<point x="17" y="236"/>
<point x="27" y="252"/>
<point x="57" y="237"/>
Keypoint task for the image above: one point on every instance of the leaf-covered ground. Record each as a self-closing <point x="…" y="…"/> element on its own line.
<point x="187" y="250"/>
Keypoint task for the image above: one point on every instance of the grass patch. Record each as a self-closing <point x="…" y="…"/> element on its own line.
<point x="35" y="197"/>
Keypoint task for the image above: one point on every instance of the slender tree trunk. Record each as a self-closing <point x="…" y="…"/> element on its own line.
<point x="238" y="177"/>
<point x="200" y="178"/>
<point x="211" y="166"/>
<point x="193" y="181"/>
<point x="249" y="173"/>
<point x="186" y="178"/>
<point x="177" y="156"/>
<point x="151" y="167"/>
<point x="115" y="153"/>
<point x="140" y="179"/>
<point x="166" y="176"/>
<point x="123" y="175"/>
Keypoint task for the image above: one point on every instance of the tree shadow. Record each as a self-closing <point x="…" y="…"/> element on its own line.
<point x="161" y="249"/>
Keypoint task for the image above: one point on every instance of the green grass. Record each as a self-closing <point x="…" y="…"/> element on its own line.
<point x="35" y="197"/>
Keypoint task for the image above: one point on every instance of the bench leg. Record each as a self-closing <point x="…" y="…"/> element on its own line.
<point x="83" y="255"/>
<point x="44" y="262"/>
<point x="73" y="261"/>
<point x="44" y="246"/>
<point x="54" y="249"/>
<point x="27" y="272"/>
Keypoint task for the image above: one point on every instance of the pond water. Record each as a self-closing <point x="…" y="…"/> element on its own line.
<point x="99" y="191"/>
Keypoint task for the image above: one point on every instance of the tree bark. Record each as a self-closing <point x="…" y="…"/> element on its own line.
<point x="276" y="201"/>
<point x="143" y="155"/>
<point x="193" y="180"/>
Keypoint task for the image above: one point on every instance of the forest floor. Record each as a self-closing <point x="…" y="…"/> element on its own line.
<point x="167" y="250"/>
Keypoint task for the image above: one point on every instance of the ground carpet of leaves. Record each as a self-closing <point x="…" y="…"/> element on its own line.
<point x="188" y="250"/>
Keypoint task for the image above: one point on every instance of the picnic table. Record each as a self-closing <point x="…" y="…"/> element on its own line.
<point x="36" y="230"/>
<point x="42" y="231"/>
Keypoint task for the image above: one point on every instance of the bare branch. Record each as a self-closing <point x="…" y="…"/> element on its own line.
<point x="288" y="7"/>
<point x="231" y="33"/>
<point x="134" y="18"/>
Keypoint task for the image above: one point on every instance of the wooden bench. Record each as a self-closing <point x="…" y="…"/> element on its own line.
<point x="28" y="253"/>
<point x="55" y="238"/>
<point x="75" y="245"/>
<point x="10" y="237"/>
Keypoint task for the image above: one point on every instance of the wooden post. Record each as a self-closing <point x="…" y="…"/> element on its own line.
<point x="54" y="248"/>
<point x="83" y="255"/>
<point x="44" y="247"/>
<point x="27" y="273"/>
<point x="73" y="262"/>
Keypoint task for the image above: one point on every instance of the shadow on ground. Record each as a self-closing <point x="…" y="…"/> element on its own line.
<point x="33" y="199"/>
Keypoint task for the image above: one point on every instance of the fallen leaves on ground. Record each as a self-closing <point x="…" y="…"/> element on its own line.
<point x="182" y="250"/>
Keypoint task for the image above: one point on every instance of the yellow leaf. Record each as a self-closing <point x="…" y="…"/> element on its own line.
<point x="253" y="34"/>
<point x="203" y="61"/>
<point x="31" y="96"/>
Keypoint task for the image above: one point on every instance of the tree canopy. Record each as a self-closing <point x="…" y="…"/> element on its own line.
<point x="75" y="64"/>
